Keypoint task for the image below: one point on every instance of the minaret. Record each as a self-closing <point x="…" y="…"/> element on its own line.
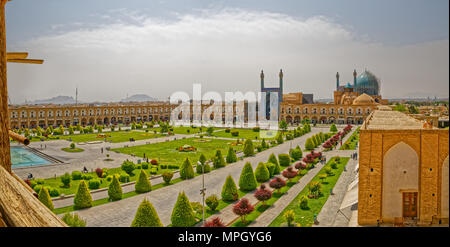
<point x="281" y="85"/>
<point x="354" y="80"/>
<point x="337" y="81"/>
<point x="262" y="80"/>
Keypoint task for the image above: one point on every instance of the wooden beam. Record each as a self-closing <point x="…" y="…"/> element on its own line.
<point x="20" y="208"/>
<point x="19" y="138"/>
<point x="18" y="60"/>
<point x="16" y="55"/>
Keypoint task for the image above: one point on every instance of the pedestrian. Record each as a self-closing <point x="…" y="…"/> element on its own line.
<point x="144" y="155"/>
<point x="102" y="149"/>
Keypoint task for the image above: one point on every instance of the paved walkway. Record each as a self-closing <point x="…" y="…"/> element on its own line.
<point x="121" y="213"/>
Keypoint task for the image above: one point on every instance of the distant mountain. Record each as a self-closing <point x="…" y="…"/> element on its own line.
<point x="138" y="98"/>
<point x="58" y="100"/>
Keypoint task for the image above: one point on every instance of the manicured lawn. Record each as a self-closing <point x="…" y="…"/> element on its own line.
<point x="305" y="217"/>
<point x="351" y="142"/>
<point x="183" y="130"/>
<point x="166" y="153"/>
<point x="72" y="150"/>
<point x="114" y="136"/>
<point x="247" y="134"/>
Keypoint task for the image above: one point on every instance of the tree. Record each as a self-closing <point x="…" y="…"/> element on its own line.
<point x="304" y="202"/>
<point x="167" y="176"/>
<point x="289" y="173"/>
<point x="284" y="159"/>
<point x="83" y="198"/>
<point x="128" y="167"/>
<point x="263" y="194"/>
<point x="210" y="130"/>
<point x="262" y="173"/>
<point x="280" y="139"/>
<point x="277" y="183"/>
<point x="333" y="128"/>
<point x="44" y="197"/>
<point x="229" y="190"/>
<point x="65" y="179"/>
<point x="289" y="215"/>
<point x="249" y="150"/>
<point x="247" y="180"/>
<point x="231" y="156"/>
<point x="309" y="145"/>
<point x="202" y="159"/>
<point x="264" y="144"/>
<point x="214" y="222"/>
<point x="272" y="159"/>
<point x="186" y="170"/>
<point x="283" y="125"/>
<point x="182" y="213"/>
<point x="243" y="208"/>
<point x="114" y="189"/>
<point x="218" y="160"/>
<point x="143" y="184"/>
<point x="146" y="216"/>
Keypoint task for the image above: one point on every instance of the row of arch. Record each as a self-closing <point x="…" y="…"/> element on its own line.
<point x="323" y="120"/>
<point x="323" y="110"/>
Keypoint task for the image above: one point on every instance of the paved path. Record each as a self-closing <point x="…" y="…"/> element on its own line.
<point x="271" y="213"/>
<point x="121" y="213"/>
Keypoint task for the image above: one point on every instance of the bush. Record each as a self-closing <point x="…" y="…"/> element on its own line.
<point x="83" y="198"/>
<point x="65" y="179"/>
<point x="86" y="177"/>
<point x="167" y="176"/>
<point x="182" y="214"/>
<point x="128" y="167"/>
<point x="146" y="216"/>
<point x="304" y="203"/>
<point x="243" y="208"/>
<point x="272" y="159"/>
<point x="235" y="133"/>
<point x="289" y="173"/>
<point x="264" y="144"/>
<point x="143" y="184"/>
<point x="76" y="175"/>
<point x="284" y="159"/>
<point x="218" y="160"/>
<point x="309" y="144"/>
<point x="54" y="192"/>
<point x="124" y="178"/>
<point x="214" y="222"/>
<point x="247" y="180"/>
<point x="73" y="220"/>
<point x="289" y="216"/>
<point x="72" y="145"/>
<point x="44" y="197"/>
<point x="280" y="138"/>
<point x="231" y="156"/>
<point x="333" y="165"/>
<point x="227" y="130"/>
<point x="204" y="167"/>
<point x="40" y="181"/>
<point x="115" y="190"/>
<point x="94" y="184"/>
<point x="99" y="172"/>
<point x="109" y="178"/>
<point x="256" y="129"/>
<point x="262" y="173"/>
<point x="262" y="194"/>
<point x="249" y="150"/>
<point x="154" y="162"/>
<point x="271" y="168"/>
<point x="186" y="170"/>
<point x="229" y="190"/>
<point x="333" y="128"/>
<point x="144" y="165"/>
<point x="296" y="153"/>
<point x="212" y="202"/>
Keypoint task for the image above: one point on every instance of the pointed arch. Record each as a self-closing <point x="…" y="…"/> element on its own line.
<point x="400" y="172"/>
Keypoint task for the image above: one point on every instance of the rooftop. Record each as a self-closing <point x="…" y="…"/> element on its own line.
<point x="392" y="120"/>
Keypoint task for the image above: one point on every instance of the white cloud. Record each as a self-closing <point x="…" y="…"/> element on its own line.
<point x="225" y="52"/>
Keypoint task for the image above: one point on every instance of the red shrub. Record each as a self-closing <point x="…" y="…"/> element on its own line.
<point x="262" y="194"/>
<point x="300" y="166"/>
<point x="289" y="173"/>
<point x="214" y="222"/>
<point x="99" y="172"/>
<point x="154" y="162"/>
<point x="243" y="208"/>
<point x="277" y="183"/>
<point x="27" y="181"/>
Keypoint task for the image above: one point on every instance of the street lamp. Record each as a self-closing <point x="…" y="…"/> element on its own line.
<point x="203" y="189"/>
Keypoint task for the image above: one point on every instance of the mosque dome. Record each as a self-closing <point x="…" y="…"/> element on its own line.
<point x="364" y="99"/>
<point x="367" y="83"/>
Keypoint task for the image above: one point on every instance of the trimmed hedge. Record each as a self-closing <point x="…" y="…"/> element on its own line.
<point x="76" y="175"/>
<point x="218" y="160"/>
<point x="44" y="197"/>
<point x="212" y="202"/>
<point x="247" y="180"/>
<point x="186" y="170"/>
<point x="272" y="159"/>
<point x="249" y="150"/>
<point x="94" y="184"/>
<point x="231" y="156"/>
<point x="284" y="159"/>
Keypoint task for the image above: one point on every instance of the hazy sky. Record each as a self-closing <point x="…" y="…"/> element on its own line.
<point x="111" y="48"/>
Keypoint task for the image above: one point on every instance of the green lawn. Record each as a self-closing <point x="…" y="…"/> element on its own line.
<point x="183" y="130"/>
<point x="166" y="153"/>
<point x="351" y="142"/>
<point x="72" y="150"/>
<point x="114" y="136"/>
<point x="305" y="217"/>
<point x="246" y="134"/>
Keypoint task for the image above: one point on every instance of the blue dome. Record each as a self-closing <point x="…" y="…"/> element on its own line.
<point x="367" y="83"/>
